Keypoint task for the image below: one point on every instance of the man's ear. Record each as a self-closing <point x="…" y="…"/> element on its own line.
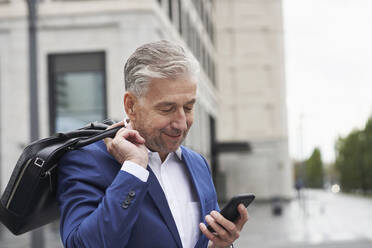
<point x="130" y="102"/>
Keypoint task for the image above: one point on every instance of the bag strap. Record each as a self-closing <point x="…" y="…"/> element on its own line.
<point x="100" y="135"/>
<point x="98" y="125"/>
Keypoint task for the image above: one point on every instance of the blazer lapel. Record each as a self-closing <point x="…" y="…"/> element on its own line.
<point x="157" y="195"/>
<point x="196" y="183"/>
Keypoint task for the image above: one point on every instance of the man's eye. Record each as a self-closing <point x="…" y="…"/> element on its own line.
<point x="187" y="109"/>
<point x="166" y="110"/>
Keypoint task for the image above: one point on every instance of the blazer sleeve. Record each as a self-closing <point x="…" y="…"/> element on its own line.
<point x="94" y="211"/>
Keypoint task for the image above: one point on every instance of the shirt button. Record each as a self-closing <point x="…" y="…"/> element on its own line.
<point x="125" y="206"/>
<point x="127" y="201"/>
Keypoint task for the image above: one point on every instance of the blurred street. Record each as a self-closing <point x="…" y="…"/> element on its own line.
<point x="320" y="220"/>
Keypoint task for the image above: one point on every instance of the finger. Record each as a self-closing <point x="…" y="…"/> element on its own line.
<point x="107" y="141"/>
<point x="125" y="131"/>
<point x="219" y="230"/>
<point x="225" y="223"/>
<point x="118" y="124"/>
<point x="207" y="233"/>
<point x="133" y="136"/>
<point x="129" y="126"/>
<point x="119" y="137"/>
<point x="243" y="216"/>
<point x="119" y="134"/>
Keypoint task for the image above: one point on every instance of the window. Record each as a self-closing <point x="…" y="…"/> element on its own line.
<point x="180" y="17"/>
<point x="170" y="10"/>
<point x="77" y="92"/>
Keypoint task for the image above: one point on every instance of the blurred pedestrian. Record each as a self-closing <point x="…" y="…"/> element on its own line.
<point x="299" y="185"/>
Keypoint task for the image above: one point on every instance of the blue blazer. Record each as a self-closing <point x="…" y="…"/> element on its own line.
<point x="104" y="207"/>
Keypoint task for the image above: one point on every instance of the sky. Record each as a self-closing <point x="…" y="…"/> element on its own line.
<point x="328" y="50"/>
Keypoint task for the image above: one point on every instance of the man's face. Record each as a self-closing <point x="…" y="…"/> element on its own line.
<point x="164" y="115"/>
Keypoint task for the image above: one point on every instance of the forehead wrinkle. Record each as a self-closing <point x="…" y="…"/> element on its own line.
<point x="164" y="92"/>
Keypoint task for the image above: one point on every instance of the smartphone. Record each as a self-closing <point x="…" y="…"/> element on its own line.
<point x="230" y="211"/>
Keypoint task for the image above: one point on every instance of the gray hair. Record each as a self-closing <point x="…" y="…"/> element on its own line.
<point x="161" y="59"/>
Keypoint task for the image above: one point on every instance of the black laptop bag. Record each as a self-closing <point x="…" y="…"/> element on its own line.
<point x="29" y="199"/>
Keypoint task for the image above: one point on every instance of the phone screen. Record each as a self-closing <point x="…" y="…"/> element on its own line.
<point x="230" y="210"/>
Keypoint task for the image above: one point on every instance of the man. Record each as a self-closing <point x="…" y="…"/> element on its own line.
<point x="142" y="188"/>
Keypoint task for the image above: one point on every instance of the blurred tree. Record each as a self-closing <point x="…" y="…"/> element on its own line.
<point x="367" y="157"/>
<point x="314" y="170"/>
<point x="354" y="159"/>
<point x="348" y="161"/>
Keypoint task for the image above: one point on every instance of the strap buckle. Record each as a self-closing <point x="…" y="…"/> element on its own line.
<point x="39" y="162"/>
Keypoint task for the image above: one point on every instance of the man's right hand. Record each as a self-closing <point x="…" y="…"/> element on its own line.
<point x="127" y="145"/>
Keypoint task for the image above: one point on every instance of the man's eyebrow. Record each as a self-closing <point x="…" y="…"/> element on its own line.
<point x="163" y="104"/>
<point x="191" y="102"/>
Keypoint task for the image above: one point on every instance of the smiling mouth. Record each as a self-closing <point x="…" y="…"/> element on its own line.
<point x="173" y="136"/>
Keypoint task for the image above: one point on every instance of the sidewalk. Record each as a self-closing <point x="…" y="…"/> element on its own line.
<point x="320" y="220"/>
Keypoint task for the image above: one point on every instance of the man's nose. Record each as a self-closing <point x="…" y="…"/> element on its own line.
<point x="179" y="121"/>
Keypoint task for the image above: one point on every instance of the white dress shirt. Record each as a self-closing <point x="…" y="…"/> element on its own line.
<point x="176" y="183"/>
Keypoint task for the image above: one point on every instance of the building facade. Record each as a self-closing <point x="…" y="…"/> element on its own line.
<point x="82" y="48"/>
<point x="251" y="83"/>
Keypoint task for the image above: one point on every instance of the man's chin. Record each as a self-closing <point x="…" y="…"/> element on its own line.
<point x="165" y="145"/>
<point x="165" y="148"/>
<point x="174" y="146"/>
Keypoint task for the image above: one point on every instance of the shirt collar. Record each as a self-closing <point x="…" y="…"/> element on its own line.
<point x="178" y="152"/>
